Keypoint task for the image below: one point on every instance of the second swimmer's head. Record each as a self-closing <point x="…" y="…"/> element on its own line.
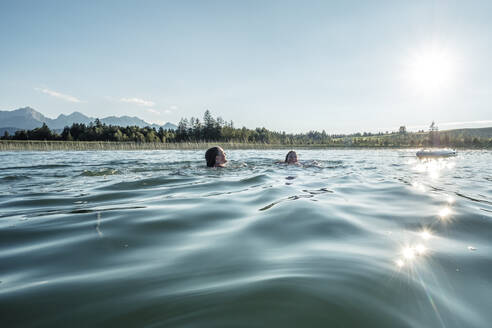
<point x="291" y="157"/>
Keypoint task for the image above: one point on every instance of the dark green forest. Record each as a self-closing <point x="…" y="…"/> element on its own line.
<point x="212" y="129"/>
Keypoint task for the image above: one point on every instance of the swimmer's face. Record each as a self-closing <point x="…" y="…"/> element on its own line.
<point x="220" y="159"/>
<point x="292" y="158"/>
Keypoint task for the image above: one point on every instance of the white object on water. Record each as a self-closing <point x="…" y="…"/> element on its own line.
<point x="436" y="153"/>
<point x="471" y="248"/>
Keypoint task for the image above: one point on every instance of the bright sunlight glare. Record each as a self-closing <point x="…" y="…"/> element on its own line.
<point x="408" y="253"/>
<point x="421" y="249"/>
<point x="425" y="234"/>
<point x="431" y="69"/>
<point x="445" y="212"/>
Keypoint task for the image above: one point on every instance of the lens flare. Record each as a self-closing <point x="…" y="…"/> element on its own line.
<point x="445" y="212"/>
<point x="408" y="253"/>
<point x="420" y="249"/>
<point x="399" y="263"/>
<point x="426" y="235"/>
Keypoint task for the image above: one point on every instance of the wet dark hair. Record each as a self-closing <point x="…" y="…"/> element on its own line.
<point x="287" y="156"/>
<point x="210" y="156"/>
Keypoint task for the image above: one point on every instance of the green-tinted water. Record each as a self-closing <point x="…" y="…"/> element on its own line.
<point x="354" y="238"/>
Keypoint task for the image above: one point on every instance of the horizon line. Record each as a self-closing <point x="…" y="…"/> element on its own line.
<point x="458" y="124"/>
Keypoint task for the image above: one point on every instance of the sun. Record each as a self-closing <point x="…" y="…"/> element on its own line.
<point x="431" y="69"/>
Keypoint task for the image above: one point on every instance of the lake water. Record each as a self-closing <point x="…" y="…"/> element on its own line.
<point x="353" y="238"/>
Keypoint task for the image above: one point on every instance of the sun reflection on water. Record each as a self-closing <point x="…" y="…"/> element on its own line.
<point x="399" y="263"/>
<point x="420" y="249"/>
<point x="419" y="186"/>
<point x="425" y="234"/>
<point x="445" y="213"/>
<point x="412" y="252"/>
<point x="408" y="253"/>
<point x="433" y="167"/>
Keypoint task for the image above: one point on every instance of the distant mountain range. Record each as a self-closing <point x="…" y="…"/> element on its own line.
<point x="27" y="119"/>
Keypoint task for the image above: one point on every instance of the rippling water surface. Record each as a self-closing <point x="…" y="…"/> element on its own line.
<point x="352" y="238"/>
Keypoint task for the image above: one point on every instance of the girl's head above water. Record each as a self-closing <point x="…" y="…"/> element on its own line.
<point x="291" y="157"/>
<point x="215" y="157"/>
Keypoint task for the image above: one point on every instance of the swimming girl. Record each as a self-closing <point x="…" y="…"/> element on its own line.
<point x="291" y="158"/>
<point x="215" y="157"/>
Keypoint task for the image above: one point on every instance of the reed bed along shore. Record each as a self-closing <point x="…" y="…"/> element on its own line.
<point x="36" y="145"/>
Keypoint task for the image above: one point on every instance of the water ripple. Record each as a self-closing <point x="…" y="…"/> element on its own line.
<point x="350" y="238"/>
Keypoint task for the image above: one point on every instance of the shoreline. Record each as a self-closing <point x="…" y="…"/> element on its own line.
<point x="37" y="145"/>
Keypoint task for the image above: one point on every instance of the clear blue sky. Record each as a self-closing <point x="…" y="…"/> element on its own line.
<point x="342" y="66"/>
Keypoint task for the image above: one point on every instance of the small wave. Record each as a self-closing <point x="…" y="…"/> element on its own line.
<point x="80" y="210"/>
<point x="295" y="197"/>
<point x="57" y="175"/>
<point x="318" y="191"/>
<point x="255" y="179"/>
<point x="93" y="210"/>
<point x="15" y="177"/>
<point x="146" y="183"/>
<point x="473" y="199"/>
<point x="37" y="167"/>
<point x="109" y="171"/>
<point x="338" y="164"/>
<point x="335" y="167"/>
<point x="149" y="169"/>
<point x="123" y="162"/>
<point x="310" y="194"/>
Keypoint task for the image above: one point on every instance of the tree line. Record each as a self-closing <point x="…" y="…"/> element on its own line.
<point x="212" y="129"/>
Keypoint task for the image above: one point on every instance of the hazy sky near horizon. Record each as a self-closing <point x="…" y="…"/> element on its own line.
<point x="342" y="66"/>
